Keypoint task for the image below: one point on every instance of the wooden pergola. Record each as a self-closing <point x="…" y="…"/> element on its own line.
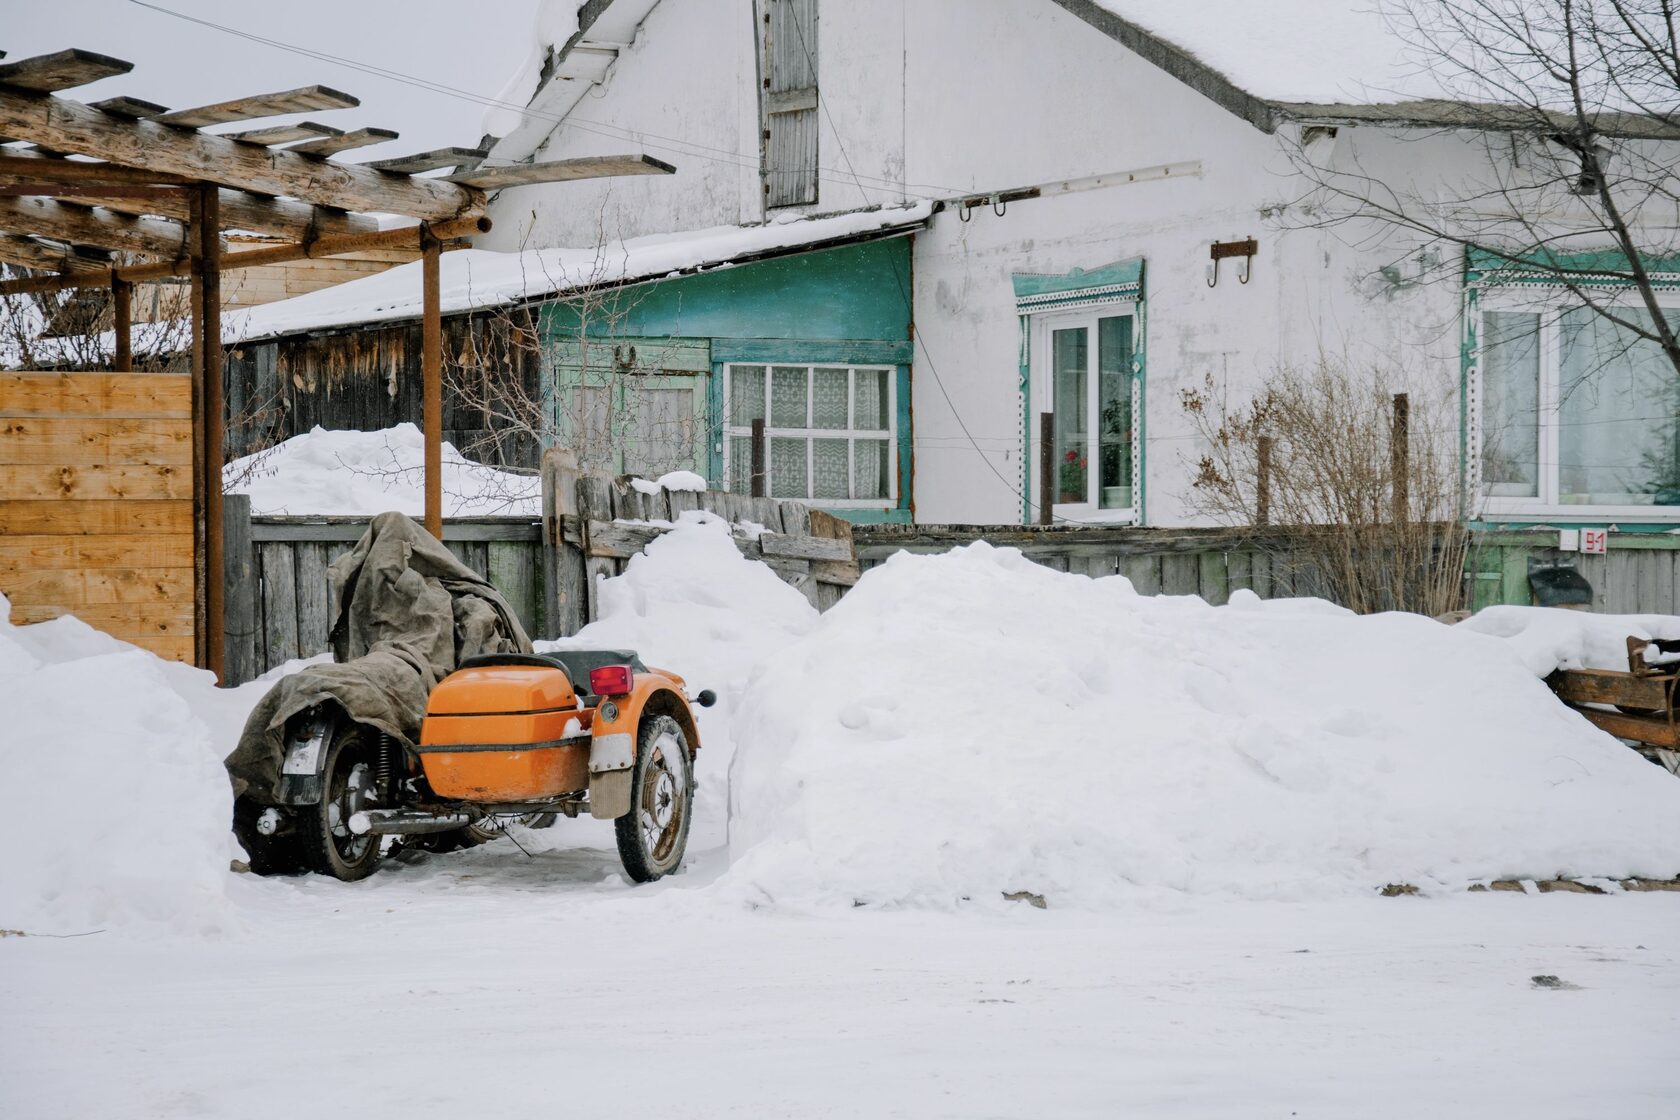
<point x="82" y="183"/>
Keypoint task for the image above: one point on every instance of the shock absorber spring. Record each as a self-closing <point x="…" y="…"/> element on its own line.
<point x="385" y="769"/>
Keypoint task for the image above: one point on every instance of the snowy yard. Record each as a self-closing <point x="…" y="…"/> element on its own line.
<point x="1208" y="799"/>
<point x="484" y="981"/>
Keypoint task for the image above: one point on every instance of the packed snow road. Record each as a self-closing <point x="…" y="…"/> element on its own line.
<point x="484" y="981"/>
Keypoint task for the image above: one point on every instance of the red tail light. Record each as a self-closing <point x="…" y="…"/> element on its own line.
<point x="611" y="680"/>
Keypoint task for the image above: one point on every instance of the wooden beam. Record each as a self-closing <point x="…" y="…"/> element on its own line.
<point x="427" y="161"/>
<point x="283" y="216"/>
<point x="93" y="192"/>
<point x="92" y="226"/>
<point x="34" y="165"/>
<point x="560" y="171"/>
<point x="431" y="382"/>
<point x="62" y="70"/>
<point x="210" y="262"/>
<point x="122" y="312"/>
<point x="285" y="133"/>
<point x="29" y="253"/>
<point x="66" y="125"/>
<point x="306" y="99"/>
<point x="356" y="138"/>
<point x="131" y="107"/>
<point x="407" y="238"/>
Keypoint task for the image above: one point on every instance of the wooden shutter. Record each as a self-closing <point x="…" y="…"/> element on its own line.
<point x="789" y="105"/>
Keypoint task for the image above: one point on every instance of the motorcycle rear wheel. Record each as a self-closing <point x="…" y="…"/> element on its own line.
<point x="329" y="846"/>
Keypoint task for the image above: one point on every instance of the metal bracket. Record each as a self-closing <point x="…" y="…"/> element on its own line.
<point x="1245" y="249"/>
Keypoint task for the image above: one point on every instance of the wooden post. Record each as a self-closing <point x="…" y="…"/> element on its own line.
<point x="210" y="254"/>
<point x="758" y="458"/>
<point x="196" y="309"/>
<point x="431" y="376"/>
<point x="240" y="578"/>
<point x="1046" y="466"/>
<point x="122" y="312"/>
<point x="1263" y="484"/>
<point x="1400" y="459"/>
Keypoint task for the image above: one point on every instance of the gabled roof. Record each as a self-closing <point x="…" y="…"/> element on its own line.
<point x="1330" y="61"/>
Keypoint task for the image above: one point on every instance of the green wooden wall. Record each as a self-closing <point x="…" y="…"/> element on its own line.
<point x="843" y="305"/>
<point x="1640" y="574"/>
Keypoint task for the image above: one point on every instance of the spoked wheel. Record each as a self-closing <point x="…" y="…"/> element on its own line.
<point x="348" y="788"/>
<point x="653" y="835"/>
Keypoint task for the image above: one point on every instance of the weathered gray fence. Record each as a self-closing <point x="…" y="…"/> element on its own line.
<point x="277" y="607"/>
<point x="1207" y="562"/>
<point x="594" y="525"/>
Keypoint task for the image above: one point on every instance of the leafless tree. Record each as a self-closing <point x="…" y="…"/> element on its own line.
<point x="69" y="328"/>
<point x="1311" y="454"/>
<point x="1570" y="110"/>
<point x="590" y="391"/>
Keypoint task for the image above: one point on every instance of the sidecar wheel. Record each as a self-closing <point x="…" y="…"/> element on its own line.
<point x="653" y="835"/>
<point x="347" y="788"/>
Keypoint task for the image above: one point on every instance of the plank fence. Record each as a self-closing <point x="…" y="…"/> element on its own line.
<point x="278" y="606"/>
<point x="1211" y="563"/>
<point x="96" y="504"/>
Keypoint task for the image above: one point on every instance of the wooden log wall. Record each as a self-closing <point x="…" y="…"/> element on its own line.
<point x="96" y="510"/>
<point x="369" y="378"/>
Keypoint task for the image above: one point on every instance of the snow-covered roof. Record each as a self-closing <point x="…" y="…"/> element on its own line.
<point x="1299" y="51"/>
<point x="474" y="278"/>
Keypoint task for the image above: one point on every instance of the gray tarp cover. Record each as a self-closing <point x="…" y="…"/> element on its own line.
<point x="405" y="613"/>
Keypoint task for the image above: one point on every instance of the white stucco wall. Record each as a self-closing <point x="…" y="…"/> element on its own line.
<point x="938" y="98"/>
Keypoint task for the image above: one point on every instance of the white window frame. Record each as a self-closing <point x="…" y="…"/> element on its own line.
<point x="1550" y="305"/>
<point x="1043" y="326"/>
<point x="849" y="433"/>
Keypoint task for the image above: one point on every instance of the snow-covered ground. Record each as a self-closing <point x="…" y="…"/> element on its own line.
<point x="1206" y="798"/>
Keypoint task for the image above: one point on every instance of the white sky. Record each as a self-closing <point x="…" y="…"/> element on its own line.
<point x="474" y="47"/>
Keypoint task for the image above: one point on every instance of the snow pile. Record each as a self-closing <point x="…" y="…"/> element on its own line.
<point x="972" y="723"/>
<point x="365" y="473"/>
<point x="120" y="807"/>
<point x="674" y="480"/>
<point x="1548" y="639"/>
<point x="692" y="604"/>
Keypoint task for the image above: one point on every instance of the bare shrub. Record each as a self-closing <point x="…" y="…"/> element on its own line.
<point x="1328" y="482"/>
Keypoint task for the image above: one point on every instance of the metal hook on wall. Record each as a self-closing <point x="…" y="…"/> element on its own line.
<point x="998" y="205"/>
<point x="965" y="211"/>
<point x="1246" y="249"/>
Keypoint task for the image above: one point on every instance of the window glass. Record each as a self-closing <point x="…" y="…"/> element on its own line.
<point x="871" y="411"/>
<point x="787" y="396"/>
<point x="869" y="474"/>
<point x="829" y="467"/>
<point x="1114" y="411"/>
<point x="746" y="395"/>
<point x="787" y="468"/>
<point x="829" y="398"/>
<point x="1618" y="415"/>
<point x="1511" y="404"/>
<point x="1069" y="359"/>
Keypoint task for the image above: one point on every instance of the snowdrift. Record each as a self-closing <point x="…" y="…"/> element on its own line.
<point x="968" y="724"/>
<point x="692" y="604"/>
<point x="119" y="809"/>
<point x="1549" y="639"/>
<point x="360" y="474"/>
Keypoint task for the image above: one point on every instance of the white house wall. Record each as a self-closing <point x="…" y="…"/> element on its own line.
<point x="939" y="98"/>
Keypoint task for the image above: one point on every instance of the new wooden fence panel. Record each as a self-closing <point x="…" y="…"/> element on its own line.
<point x="96" y="513"/>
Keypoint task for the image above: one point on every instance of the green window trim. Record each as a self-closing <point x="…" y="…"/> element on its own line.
<point x="1041" y="293"/>
<point x="1546" y="274"/>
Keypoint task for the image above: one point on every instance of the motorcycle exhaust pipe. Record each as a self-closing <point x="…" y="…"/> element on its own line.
<point x="405" y="822"/>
